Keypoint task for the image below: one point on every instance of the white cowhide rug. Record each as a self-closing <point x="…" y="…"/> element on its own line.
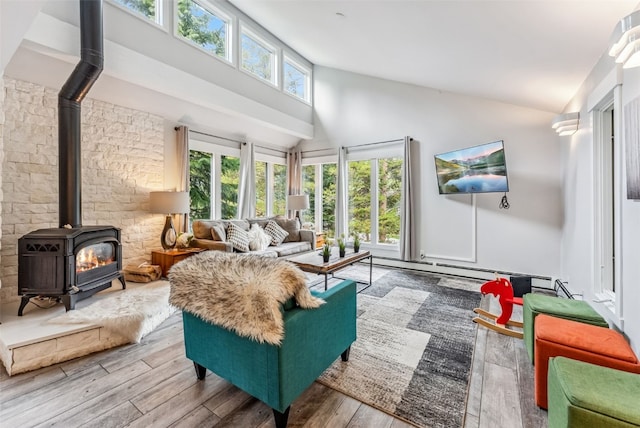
<point x="131" y="313"/>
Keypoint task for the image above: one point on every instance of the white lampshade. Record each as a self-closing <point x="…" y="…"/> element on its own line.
<point x="298" y="202"/>
<point x="169" y="202"/>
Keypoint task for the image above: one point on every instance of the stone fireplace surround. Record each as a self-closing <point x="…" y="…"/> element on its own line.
<point x="122" y="161"/>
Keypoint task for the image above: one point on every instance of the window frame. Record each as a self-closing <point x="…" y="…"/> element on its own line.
<point x="159" y="18"/>
<point x="244" y="28"/>
<point x="286" y="58"/>
<point x="271" y="160"/>
<point x="374" y="155"/>
<point x="318" y="164"/>
<point x="230" y="20"/>
<point x="217" y="151"/>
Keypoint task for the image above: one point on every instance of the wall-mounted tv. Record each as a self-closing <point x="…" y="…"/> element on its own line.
<point x="477" y="169"/>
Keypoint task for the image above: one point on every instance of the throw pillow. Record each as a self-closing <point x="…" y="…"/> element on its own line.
<point x="291" y="226"/>
<point x="276" y="233"/>
<point x="218" y="233"/>
<point x="238" y="237"/>
<point x="258" y="238"/>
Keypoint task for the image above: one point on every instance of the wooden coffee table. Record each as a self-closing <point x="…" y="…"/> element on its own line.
<point x="312" y="262"/>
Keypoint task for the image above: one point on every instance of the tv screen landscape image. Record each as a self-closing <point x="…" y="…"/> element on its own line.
<point x="477" y="169"/>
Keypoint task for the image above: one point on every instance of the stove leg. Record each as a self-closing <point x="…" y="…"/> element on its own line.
<point x="122" y="281"/>
<point x="25" y="300"/>
<point x="69" y="302"/>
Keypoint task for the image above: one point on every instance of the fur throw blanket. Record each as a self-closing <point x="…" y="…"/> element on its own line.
<point x="242" y="293"/>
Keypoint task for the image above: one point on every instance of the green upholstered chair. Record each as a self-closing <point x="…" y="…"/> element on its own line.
<point x="277" y="375"/>
<point x="586" y="395"/>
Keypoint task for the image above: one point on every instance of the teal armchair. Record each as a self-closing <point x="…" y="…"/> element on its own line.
<point x="277" y="375"/>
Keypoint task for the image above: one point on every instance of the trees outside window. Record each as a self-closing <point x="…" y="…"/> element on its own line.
<point x="389" y="196"/>
<point x="374" y="193"/>
<point x="359" y="217"/>
<point x="271" y="184"/>
<point x="150" y="9"/>
<point x="204" y="27"/>
<point x="261" y="189"/>
<point x="200" y="185"/>
<point x="309" y="188"/>
<point x="229" y="181"/>
<point x="329" y="178"/>
<point x="279" y="189"/>
<point x="296" y="79"/>
<point x="319" y="182"/>
<point x="258" y="57"/>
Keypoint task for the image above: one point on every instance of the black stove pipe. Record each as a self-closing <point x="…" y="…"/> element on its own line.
<point x="70" y="96"/>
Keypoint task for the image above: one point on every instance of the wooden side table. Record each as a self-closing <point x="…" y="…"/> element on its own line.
<point x="168" y="258"/>
<point x="319" y="239"/>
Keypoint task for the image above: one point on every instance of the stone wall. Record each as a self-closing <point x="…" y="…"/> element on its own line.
<point x="122" y="161"/>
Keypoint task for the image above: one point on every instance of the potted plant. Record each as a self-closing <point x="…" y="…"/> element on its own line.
<point x="356" y="242"/>
<point x="326" y="251"/>
<point x="342" y="245"/>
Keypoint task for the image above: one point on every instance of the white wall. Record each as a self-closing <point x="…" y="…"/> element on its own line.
<point x="353" y="109"/>
<point x="578" y="234"/>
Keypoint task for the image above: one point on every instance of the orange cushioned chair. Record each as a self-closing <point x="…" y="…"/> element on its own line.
<point x="584" y="342"/>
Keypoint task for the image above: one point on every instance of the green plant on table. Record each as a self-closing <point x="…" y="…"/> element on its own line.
<point x="341" y="242"/>
<point x="326" y="248"/>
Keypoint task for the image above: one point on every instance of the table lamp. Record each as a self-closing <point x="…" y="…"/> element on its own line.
<point x="298" y="203"/>
<point x="169" y="203"/>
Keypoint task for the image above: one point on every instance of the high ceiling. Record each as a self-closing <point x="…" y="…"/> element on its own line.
<point x="530" y="53"/>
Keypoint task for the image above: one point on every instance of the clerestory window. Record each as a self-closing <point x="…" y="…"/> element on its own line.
<point x="258" y="57"/>
<point x="296" y="79"/>
<point x="206" y="27"/>
<point x="149" y="9"/>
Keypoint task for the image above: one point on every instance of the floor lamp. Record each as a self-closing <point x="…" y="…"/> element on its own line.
<point x="169" y="203"/>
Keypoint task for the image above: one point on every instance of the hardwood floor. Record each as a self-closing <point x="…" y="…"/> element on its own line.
<point x="152" y="384"/>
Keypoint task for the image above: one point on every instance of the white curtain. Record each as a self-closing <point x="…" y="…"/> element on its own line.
<point x="246" y="188"/>
<point x="408" y="237"/>
<point x="294" y="174"/>
<point x="182" y="155"/>
<point x="341" y="193"/>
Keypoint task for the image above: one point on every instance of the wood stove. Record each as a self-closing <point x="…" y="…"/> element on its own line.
<point x="73" y="261"/>
<point x="69" y="264"/>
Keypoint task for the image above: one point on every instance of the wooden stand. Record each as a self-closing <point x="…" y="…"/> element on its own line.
<point x="168" y="258"/>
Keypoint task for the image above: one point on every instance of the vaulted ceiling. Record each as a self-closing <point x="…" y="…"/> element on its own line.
<point x="530" y="53"/>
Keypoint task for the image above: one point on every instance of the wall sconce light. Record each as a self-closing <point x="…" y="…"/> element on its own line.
<point x="169" y="203"/>
<point x="625" y="42"/>
<point x="566" y="124"/>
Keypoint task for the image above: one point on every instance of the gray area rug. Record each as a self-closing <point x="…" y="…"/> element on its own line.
<point x="413" y="355"/>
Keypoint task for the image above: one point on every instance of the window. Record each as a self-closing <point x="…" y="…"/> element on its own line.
<point x="359" y="217"/>
<point x="279" y="189"/>
<point x="229" y="181"/>
<point x="296" y="79"/>
<point x="149" y="9"/>
<point x="214" y="175"/>
<point x="309" y="188"/>
<point x="375" y="188"/>
<point x="319" y="182"/>
<point x="261" y="189"/>
<point x="205" y="28"/>
<point x="271" y="188"/>
<point x="389" y="192"/>
<point x="200" y="184"/>
<point x="258" y="57"/>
